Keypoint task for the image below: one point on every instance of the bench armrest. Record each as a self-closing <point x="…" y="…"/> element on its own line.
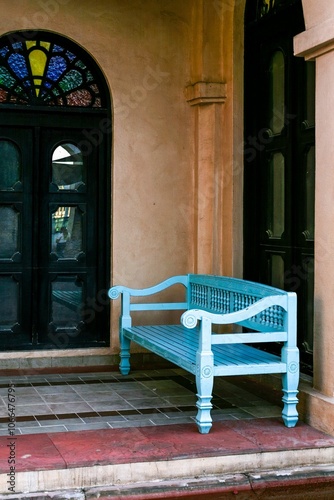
<point x="144" y="292"/>
<point x="126" y="294"/>
<point x="190" y="318"/>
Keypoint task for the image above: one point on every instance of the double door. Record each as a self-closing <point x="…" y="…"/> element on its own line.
<point x="54" y="236"/>
<point x="280" y="164"/>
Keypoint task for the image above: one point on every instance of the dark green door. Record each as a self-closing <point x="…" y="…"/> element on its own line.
<point x="54" y="238"/>
<point x="280" y="159"/>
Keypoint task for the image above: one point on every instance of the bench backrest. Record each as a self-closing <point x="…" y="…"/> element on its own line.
<point x="223" y="295"/>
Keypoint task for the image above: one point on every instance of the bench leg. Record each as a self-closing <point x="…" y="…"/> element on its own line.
<point x="290" y="382"/>
<point x="204" y="385"/>
<point x="124" y="365"/>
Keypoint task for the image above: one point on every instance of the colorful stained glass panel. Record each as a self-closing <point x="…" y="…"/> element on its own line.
<point x="44" y="73"/>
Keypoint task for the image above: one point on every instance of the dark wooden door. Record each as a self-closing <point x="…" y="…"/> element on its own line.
<point x="55" y="239"/>
<point x="280" y="160"/>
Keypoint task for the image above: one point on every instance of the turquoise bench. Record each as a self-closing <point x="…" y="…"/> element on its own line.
<point x="266" y="313"/>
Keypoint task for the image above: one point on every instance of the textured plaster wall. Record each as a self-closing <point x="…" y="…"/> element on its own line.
<point x="176" y="166"/>
<point x="317" y="43"/>
<point x="143" y="49"/>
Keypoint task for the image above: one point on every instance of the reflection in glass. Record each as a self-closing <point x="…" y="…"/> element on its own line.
<point x="67" y="297"/>
<point x="277" y="271"/>
<point x="67" y="167"/>
<point x="10" y="165"/>
<point x="9" y="296"/>
<point x="66" y="235"/>
<point x="277" y="94"/>
<point x="310" y="190"/>
<point x="276" y="196"/>
<point x="9" y="231"/>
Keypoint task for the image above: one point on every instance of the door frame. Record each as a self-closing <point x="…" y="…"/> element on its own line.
<point x="97" y="134"/>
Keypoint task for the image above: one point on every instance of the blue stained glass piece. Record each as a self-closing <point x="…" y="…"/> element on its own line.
<point x="18" y="65"/>
<point x="4" y="51"/>
<point x="45" y="95"/>
<point x="57" y="48"/>
<point x="17" y="45"/>
<point x="70" y="56"/>
<point x="27" y="83"/>
<point x="57" y="66"/>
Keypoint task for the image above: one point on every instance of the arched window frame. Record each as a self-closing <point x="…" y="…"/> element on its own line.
<point x="42" y="68"/>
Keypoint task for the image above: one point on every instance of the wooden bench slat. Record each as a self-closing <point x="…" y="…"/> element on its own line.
<point x="178" y="342"/>
<point x="182" y="343"/>
<point x="243" y="338"/>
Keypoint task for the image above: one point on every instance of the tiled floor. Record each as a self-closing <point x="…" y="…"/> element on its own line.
<point x="137" y="433"/>
<point x="90" y="401"/>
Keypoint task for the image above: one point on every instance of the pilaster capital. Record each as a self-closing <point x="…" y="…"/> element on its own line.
<point x="315" y="41"/>
<point x="201" y="93"/>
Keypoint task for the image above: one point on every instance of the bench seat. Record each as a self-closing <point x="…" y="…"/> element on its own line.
<point x="179" y="345"/>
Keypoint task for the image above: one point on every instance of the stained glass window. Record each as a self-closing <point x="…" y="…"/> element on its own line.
<point x="257" y="9"/>
<point x="47" y="71"/>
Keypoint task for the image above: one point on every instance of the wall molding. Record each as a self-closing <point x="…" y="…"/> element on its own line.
<point x="201" y="93"/>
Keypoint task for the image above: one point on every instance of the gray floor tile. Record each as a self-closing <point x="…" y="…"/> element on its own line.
<point x="55" y="389"/>
<point x="66" y="397"/>
<point x="101" y="396"/>
<point x="263" y="411"/>
<point x="61" y="421"/>
<point x="147" y="402"/>
<point x="141" y="392"/>
<point x="31" y="399"/>
<point x="87" y="427"/>
<point x="136" y="423"/>
<point x="90" y="388"/>
<point x="33" y="410"/>
<point x="41" y="430"/>
<point x="108" y="405"/>
<point x="114" y="418"/>
<point x="29" y="423"/>
<point x="180" y="401"/>
<point x="59" y="408"/>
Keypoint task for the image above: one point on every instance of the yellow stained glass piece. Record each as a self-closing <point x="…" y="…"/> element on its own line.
<point x="30" y="44"/>
<point x="46" y="45"/>
<point x="37" y="60"/>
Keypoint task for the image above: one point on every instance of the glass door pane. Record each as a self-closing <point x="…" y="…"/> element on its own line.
<point x="16" y="211"/>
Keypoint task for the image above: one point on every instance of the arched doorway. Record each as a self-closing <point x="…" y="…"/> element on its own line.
<point x="280" y="158"/>
<point x="55" y="133"/>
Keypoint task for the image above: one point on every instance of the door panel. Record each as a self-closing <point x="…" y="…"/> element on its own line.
<point x="68" y="232"/>
<point x="280" y="169"/>
<point x="52" y="253"/>
<point x="15" y="236"/>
